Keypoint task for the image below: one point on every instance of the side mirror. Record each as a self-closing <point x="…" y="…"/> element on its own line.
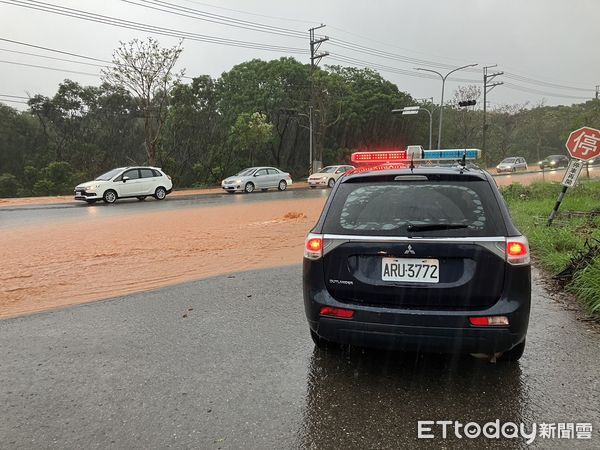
<point x="125" y="179"/>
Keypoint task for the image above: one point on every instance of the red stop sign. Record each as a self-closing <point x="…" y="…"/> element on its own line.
<point x="584" y="143"/>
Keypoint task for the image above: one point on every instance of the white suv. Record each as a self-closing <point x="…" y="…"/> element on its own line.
<point x="126" y="182"/>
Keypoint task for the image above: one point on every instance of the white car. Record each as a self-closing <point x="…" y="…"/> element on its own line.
<point x="126" y="182"/>
<point x="327" y="176"/>
<point x="257" y="178"/>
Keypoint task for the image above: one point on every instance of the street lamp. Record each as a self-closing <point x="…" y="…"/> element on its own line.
<point x="408" y="110"/>
<point x="443" y="77"/>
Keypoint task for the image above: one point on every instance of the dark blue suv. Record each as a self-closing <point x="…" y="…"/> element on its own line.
<point x="421" y="259"/>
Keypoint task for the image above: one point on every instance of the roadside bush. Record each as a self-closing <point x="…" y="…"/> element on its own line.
<point x="553" y="247"/>
<point x="43" y="188"/>
<point x="9" y="185"/>
<point x="60" y="175"/>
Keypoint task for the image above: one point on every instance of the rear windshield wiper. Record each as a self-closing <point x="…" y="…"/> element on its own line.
<point x="435" y="226"/>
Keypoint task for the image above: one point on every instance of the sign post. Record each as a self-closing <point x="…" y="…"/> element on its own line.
<point x="583" y="144"/>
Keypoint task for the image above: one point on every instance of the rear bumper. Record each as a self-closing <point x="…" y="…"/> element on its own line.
<point x="427" y="330"/>
<point x="417" y="338"/>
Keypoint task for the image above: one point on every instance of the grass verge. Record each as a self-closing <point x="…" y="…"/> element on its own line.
<point x="553" y="247"/>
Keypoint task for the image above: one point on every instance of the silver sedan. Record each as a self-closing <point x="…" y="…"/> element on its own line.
<point x="511" y="164"/>
<point x="254" y="178"/>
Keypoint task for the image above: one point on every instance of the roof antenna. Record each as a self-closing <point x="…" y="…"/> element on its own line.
<point x="463" y="160"/>
<point x="412" y="162"/>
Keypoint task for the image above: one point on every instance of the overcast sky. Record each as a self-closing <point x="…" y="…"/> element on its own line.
<point x="553" y="44"/>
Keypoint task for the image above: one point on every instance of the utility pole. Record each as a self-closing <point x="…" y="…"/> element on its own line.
<point x="315" y="58"/>
<point x="487" y="87"/>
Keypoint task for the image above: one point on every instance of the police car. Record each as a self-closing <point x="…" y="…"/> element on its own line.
<point x="416" y="254"/>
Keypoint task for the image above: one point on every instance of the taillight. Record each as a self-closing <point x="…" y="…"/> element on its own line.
<point x="489" y="321"/>
<point x="517" y="251"/>
<point x="313" y="246"/>
<point x="340" y="313"/>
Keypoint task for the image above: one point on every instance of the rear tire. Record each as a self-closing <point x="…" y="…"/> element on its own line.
<point x="249" y="188"/>
<point x="514" y="354"/>
<point x="160" y="193"/>
<point x="331" y="183"/>
<point x="321" y="343"/>
<point x="110" y="196"/>
<point x="282" y="185"/>
<point x="91" y="202"/>
<point x="313" y="187"/>
<point x="141" y="198"/>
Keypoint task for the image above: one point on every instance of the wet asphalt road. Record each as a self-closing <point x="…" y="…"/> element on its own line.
<point x="33" y="214"/>
<point x="57" y="213"/>
<point x="240" y="371"/>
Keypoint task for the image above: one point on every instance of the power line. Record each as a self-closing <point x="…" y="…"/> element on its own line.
<point x="49" y="68"/>
<point x="254" y="26"/>
<point x="51" y="57"/>
<point x="252" y="13"/>
<point x="152" y="29"/>
<point x="53" y="50"/>
<point x="544" y="83"/>
<point x="193" y="13"/>
<point x="387" y="55"/>
<point x="538" y="92"/>
<point x="14" y="96"/>
<point x="396" y="70"/>
<point x="383" y="54"/>
<point x="383" y="68"/>
<point x="12" y="101"/>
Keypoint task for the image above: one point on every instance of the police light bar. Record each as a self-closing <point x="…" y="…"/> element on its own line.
<point x="453" y="154"/>
<point x="421" y="155"/>
<point x="378" y="156"/>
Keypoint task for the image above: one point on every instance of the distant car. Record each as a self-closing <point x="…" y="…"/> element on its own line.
<point x="327" y="176"/>
<point x="554" y="161"/>
<point x="511" y="164"/>
<point x="126" y="182"/>
<point x="593" y="162"/>
<point x="254" y="178"/>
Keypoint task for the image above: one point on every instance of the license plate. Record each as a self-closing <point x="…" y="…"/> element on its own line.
<point x="78" y="193"/>
<point x="410" y="269"/>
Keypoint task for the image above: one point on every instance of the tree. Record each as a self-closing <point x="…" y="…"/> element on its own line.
<point x="147" y="71"/>
<point x="464" y="122"/>
<point x="9" y="185"/>
<point x="251" y="133"/>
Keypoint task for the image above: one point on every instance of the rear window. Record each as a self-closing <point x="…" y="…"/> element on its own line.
<point x="148" y="173"/>
<point x="400" y="208"/>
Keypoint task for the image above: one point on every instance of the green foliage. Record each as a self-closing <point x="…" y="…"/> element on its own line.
<point x="43" y="188"/>
<point x="9" y="185"/>
<point x="586" y="286"/>
<point x="255" y="113"/>
<point x="59" y="175"/>
<point x="553" y="247"/>
<point x="251" y="133"/>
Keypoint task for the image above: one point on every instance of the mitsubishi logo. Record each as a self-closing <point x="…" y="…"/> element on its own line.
<point x="409" y="250"/>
